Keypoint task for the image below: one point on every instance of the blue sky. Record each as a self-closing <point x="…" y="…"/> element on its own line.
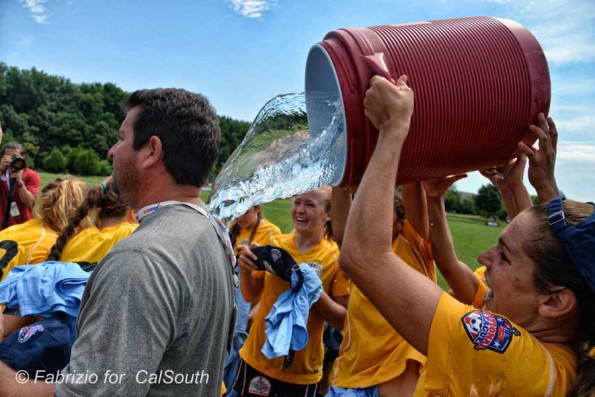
<point x="241" y="53"/>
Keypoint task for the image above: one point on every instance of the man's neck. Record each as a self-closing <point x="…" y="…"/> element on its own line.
<point x="181" y="193"/>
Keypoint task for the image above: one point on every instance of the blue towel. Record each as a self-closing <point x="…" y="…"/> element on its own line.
<point x="8" y="287"/>
<point x="45" y="288"/>
<point x="371" y="391"/>
<point x="286" y="322"/>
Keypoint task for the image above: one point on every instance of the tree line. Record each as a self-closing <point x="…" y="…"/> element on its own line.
<point x="68" y="127"/>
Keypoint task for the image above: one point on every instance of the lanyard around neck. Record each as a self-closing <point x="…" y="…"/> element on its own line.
<point x="149" y="209"/>
<point x="220" y="228"/>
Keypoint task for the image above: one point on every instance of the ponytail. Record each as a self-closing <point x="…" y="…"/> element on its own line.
<point x="585" y="381"/>
<point x="94" y="196"/>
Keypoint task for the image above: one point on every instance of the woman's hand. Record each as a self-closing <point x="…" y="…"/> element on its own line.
<point x="437" y="188"/>
<point x="246" y="258"/>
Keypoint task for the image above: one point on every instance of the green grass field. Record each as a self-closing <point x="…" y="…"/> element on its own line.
<point x="470" y="234"/>
<point x="47" y="178"/>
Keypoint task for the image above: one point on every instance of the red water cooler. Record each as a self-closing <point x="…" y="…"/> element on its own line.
<point x="479" y="83"/>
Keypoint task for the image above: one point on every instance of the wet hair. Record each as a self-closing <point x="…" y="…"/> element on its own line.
<point x="328" y="226"/>
<point x="554" y="268"/>
<point x="187" y="126"/>
<point x="235" y="228"/>
<point x="102" y="197"/>
<point x="18" y="146"/>
<point x="398" y="206"/>
<point x="59" y="201"/>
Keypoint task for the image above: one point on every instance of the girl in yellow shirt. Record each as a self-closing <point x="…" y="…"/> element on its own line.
<point x="30" y="242"/>
<point x="115" y="221"/>
<point x="250" y="227"/>
<point x="537" y="329"/>
<point x="310" y="242"/>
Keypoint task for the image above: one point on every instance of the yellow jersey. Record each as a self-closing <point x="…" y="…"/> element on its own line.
<point x="25" y="243"/>
<point x="474" y="349"/>
<point x="307" y="363"/>
<point x="372" y="352"/>
<point x="264" y="233"/>
<point x="92" y="244"/>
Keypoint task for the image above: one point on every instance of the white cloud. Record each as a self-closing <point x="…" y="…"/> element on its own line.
<point x="581" y="123"/>
<point x="583" y="152"/>
<point x="38" y="11"/>
<point x="564" y="28"/>
<point x="251" y="8"/>
<point x="569" y="85"/>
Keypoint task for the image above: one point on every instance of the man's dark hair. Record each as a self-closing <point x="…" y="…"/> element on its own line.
<point x="188" y="128"/>
<point x="18" y="146"/>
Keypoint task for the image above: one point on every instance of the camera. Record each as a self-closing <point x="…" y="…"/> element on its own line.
<point x="18" y="163"/>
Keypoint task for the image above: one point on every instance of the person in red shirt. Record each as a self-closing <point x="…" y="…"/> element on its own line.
<point x="17" y="208"/>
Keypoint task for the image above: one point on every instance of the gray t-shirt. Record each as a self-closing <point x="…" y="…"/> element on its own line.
<point x="155" y="314"/>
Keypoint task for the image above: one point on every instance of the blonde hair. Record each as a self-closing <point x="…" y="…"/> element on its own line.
<point x="326" y="191"/>
<point x="494" y="390"/>
<point x="59" y="201"/>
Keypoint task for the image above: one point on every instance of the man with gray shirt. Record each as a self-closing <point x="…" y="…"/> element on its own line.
<point x="156" y="311"/>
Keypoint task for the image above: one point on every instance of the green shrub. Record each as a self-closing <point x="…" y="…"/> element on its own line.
<point x="55" y="161"/>
<point x="84" y="162"/>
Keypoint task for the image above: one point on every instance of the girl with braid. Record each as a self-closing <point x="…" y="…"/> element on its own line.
<point x="250" y="227"/>
<point x="115" y="221"/>
<point x="30" y="242"/>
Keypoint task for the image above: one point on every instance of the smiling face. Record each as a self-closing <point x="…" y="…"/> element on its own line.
<point x="509" y="274"/>
<point x="309" y="212"/>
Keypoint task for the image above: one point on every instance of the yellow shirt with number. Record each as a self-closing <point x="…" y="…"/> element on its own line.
<point x="26" y="243"/>
<point x="472" y="348"/>
<point x="92" y="244"/>
<point x="307" y="363"/>
<point x="372" y="352"/>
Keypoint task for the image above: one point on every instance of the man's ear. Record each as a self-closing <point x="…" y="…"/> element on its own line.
<point x="153" y="151"/>
<point x="558" y="304"/>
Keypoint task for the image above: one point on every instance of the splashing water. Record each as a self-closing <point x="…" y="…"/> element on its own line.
<point x="280" y="157"/>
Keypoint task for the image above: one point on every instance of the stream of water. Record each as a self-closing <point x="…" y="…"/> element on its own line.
<point x="280" y="157"/>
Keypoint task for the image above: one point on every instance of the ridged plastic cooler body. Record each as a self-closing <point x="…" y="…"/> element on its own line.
<point x="479" y="83"/>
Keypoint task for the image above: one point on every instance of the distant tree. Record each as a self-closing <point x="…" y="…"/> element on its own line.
<point x="535" y="199"/>
<point x="488" y="201"/>
<point x="105" y="167"/>
<point x="84" y="162"/>
<point x="45" y="112"/>
<point x="503" y="215"/>
<point x="232" y="133"/>
<point x="55" y="161"/>
<point x="452" y="200"/>
<point x="468" y="207"/>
